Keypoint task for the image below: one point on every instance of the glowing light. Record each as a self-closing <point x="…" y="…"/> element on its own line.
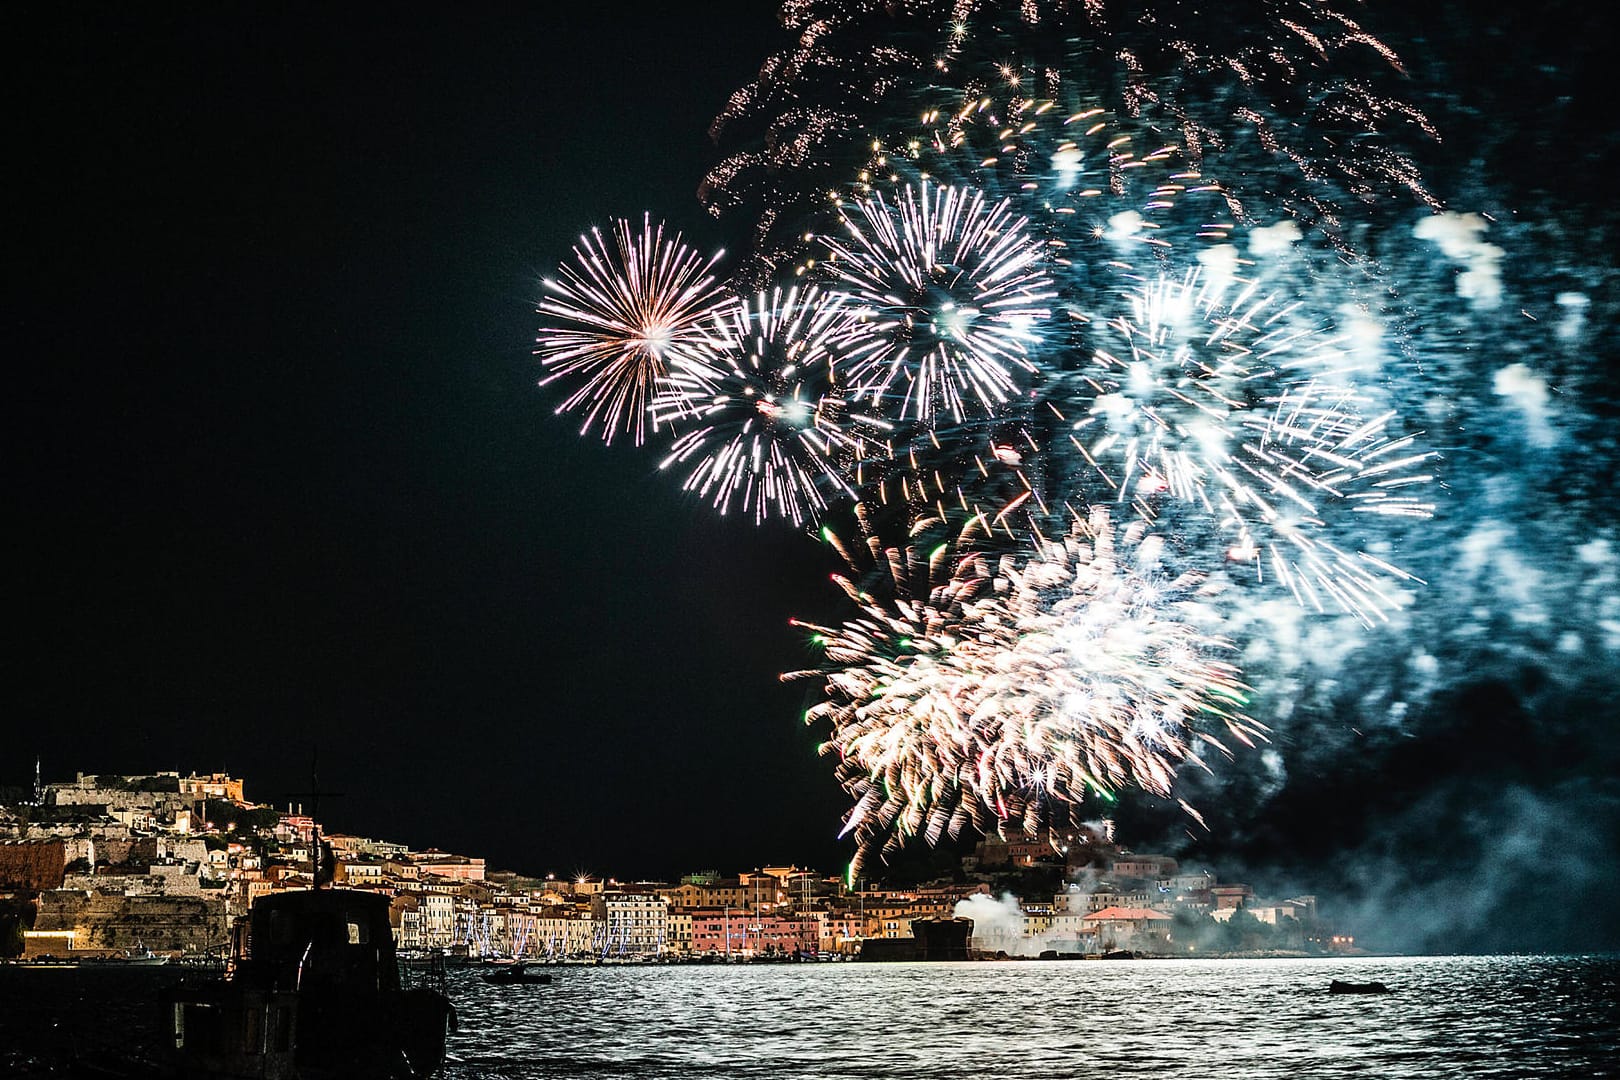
<point x="982" y="688"/>
<point x="618" y="317"/>
<point x="767" y="424"/>
<point x="993" y="322"/>
<point x="1218" y="407"/>
<point x="945" y="286"/>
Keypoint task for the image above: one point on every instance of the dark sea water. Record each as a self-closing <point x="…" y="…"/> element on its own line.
<point x="1448" y="1016"/>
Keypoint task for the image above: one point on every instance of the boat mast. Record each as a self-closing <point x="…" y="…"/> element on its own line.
<point x="319" y="867"/>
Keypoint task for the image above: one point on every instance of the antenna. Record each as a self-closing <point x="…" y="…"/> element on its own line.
<point x="314" y="793"/>
<point x="324" y="864"/>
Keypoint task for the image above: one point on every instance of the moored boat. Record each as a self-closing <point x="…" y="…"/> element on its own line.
<point x="141" y="956"/>
<point x="314" y="993"/>
<point x="515" y="975"/>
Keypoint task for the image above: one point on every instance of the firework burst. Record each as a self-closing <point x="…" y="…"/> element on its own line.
<point x="1213" y="406"/>
<point x="989" y="210"/>
<point x="983" y="690"/>
<point x="768" y="428"/>
<point x="947" y="289"/>
<point x="618" y="317"/>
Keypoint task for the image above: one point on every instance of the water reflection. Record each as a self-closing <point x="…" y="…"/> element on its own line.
<point x="1474" y="1016"/>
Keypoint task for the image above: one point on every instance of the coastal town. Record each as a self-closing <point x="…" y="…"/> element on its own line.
<point x="159" y="867"/>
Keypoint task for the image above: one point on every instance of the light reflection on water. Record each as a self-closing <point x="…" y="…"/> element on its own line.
<point x="1462" y="1016"/>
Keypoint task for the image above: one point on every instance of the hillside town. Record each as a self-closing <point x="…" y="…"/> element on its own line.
<point x="161" y="865"/>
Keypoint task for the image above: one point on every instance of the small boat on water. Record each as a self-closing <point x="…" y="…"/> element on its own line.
<point x="515" y="975"/>
<point x="141" y="956"/>
<point x="1338" y="987"/>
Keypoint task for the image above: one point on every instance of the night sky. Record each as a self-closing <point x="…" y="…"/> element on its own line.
<point x="283" y="483"/>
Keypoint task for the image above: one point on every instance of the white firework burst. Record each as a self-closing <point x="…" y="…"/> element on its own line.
<point x="1205" y="406"/>
<point x="618" y="317"/>
<point x="1081" y="666"/>
<point x="769" y="432"/>
<point x="946" y="290"/>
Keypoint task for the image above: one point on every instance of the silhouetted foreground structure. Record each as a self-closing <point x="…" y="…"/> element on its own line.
<point x="314" y="993"/>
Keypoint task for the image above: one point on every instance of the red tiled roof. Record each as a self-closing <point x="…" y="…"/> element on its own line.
<point x="1125" y="914"/>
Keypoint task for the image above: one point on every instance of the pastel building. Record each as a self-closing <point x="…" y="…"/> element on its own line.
<point x="437" y="912"/>
<point x="1128" y="928"/>
<point x="629" y="924"/>
<point x="564" y="931"/>
<point x="1151" y="867"/>
<point x="740" y="932"/>
<point x="678" y="931"/>
<point x="442" y="864"/>
<point x="840" y="931"/>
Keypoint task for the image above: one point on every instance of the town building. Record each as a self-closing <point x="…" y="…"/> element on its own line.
<point x="1128" y="928"/>
<point x="629" y="924"/>
<point x="102" y="856"/>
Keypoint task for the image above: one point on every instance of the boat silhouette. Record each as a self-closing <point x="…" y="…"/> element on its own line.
<point x="313" y="993"/>
<point x="515" y="975"/>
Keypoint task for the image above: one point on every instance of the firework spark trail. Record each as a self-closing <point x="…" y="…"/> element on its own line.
<point x="770" y="427"/>
<point x="1284" y="97"/>
<point x="978" y="692"/>
<point x="1098" y="209"/>
<point x="1104" y="208"/>
<point x="1001" y="139"/>
<point x="1056" y="157"/>
<point x="618" y="319"/>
